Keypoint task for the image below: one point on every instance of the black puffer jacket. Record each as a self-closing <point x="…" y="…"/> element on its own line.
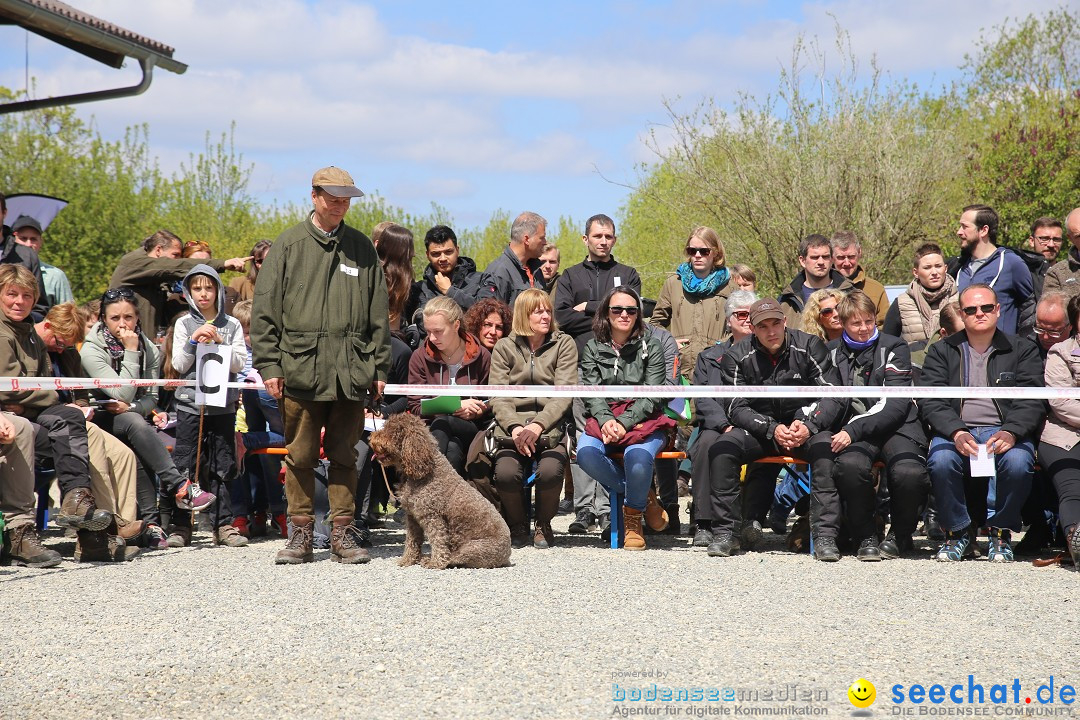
<point x="588" y="282"/>
<point x="1014" y="362"/>
<point x="464" y="286"/>
<point x="712" y="412"/>
<point x="889" y="364"/>
<point x="803" y="360"/>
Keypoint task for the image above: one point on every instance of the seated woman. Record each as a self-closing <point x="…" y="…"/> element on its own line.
<point x="488" y="320"/>
<point x="885" y="427"/>
<point x="622" y="353"/>
<point x="450" y="356"/>
<point x="530" y="430"/>
<point x="116" y="347"/>
<point x="22" y="354"/>
<point x="819" y="317"/>
<point x="1059" y="446"/>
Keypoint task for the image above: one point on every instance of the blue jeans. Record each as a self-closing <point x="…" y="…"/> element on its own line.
<point x="1006" y="495"/>
<point x="633" y="479"/>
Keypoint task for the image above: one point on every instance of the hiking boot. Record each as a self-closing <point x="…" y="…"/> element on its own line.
<point x="932" y="527"/>
<point x="298" y="549"/>
<point x="78" y="510"/>
<point x="1072" y="541"/>
<point x="99" y="546"/>
<point x="543" y="537"/>
<point x="702" y="539"/>
<point x="655" y="515"/>
<point x="825" y="549"/>
<point x="179" y="536"/>
<point x="1000" y="545"/>
<point x="258" y="525"/>
<point x="520" y="537"/>
<point x="129" y="530"/>
<point x="777" y="519"/>
<point x="23" y="546"/>
<point x="190" y="496"/>
<point x="751" y="534"/>
<point x="154" y="538"/>
<point x="633" y="539"/>
<point x="240" y="522"/>
<point x="724" y="544"/>
<point x="674" y="522"/>
<point x="956" y="547"/>
<point x="346" y="544"/>
<point x="682" y="482"/>
<point x="868" y="550"/>
<point x="582" y="523"/>
<point x="229" y="535"/>
<point x="893" y="546"/>
<point x="566" y="506"/>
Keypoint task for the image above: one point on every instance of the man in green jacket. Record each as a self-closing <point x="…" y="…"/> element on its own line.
<point x="320" y="336"/>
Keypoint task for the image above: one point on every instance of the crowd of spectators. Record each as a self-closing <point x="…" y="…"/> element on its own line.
<point x="137" y="467"/>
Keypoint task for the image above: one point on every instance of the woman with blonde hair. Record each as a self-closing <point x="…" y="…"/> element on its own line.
<point x="820" y="316"/>
<point x="529" y="430"/>
<point x="692" y="302"/>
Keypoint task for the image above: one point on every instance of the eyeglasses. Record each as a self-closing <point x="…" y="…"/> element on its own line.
<point x="115" y="294"/>
<point x="699" y="251"/>
<point x="972" y="309"/>
<point x="1051" y="333"/>
<point x="61" y="346"/>
<point x="623" y="310"/>
<point x="826" y="311"/>
<point x="1049" y="239"/>
<point x="741" y="315"/>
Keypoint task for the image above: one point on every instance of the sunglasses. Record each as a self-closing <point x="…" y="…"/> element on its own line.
<point x="972" y="309"/>
<point x="115" y="294"/>
<point x="699" y="251"/>
<point x="623" y="310"/>
<point x="741" y="315"/>
<point x="826" y="311"/>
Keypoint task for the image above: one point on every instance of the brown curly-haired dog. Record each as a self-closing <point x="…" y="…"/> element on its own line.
<point x="464" y="529"/>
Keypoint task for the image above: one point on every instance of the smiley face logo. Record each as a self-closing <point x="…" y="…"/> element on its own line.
<point x="862" y="693"/>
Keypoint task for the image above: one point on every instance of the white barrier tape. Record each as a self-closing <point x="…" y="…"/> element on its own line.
<point x="813" y="392"/>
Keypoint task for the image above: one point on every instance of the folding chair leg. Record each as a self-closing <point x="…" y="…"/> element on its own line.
<point x="615" y="501"/>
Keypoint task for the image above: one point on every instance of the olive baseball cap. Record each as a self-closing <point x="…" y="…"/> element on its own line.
<point x="765" y="309"/>
<point x="336" y="181"/>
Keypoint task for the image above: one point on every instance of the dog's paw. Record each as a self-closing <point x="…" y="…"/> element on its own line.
<point x="407" y="560"/>
<point x="432" y="564"/>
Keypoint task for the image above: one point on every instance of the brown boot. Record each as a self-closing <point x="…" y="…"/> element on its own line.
<point x="298" y="549"/>
<point x="345" y="543"/>
<point x="543" y="537"/>
<point x="229" y="536"/>
<point x="78" y="510"/>
<point x="634" y="539"/>
<point x="128" y="529"/>
<point x="655" y="515"/>
<point x="24" y="547"/>
<point x="99" y="546"/>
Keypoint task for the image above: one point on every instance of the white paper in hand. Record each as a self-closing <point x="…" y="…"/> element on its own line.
<point x="983" y="465"/>
<point x="211" y="373"/>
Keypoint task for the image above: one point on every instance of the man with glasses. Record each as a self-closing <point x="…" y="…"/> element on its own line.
<point x="981" y="355"/>
<point x="816" y="260"/>
<point x="1045" y="245"/>
<point x="1065" y="275"/>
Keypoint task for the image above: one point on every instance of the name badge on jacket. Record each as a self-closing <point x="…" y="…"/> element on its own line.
<point x="354" y="272"/>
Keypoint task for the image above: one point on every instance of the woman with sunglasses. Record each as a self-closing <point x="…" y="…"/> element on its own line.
<point x="1059" y="446"/>
<point x="116" y="347"/>
<point x="819" y="316"/>
<point x="622" y="353"/>
<point x="691" y="303"/>
<point x="245" y="284"/>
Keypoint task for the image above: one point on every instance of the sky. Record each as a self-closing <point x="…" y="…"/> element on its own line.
<point x="476" y="106"/>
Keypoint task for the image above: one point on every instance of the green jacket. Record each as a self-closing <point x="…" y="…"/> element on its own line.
<point x="23" y="354"/>
<point x="320" y="318"/>
<point x="514" y="363"/>
<point x="149" y="278"/>
<point x="641" y="362"/>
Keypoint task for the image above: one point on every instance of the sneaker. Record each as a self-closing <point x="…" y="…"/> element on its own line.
<point x="1000" y="547"/>
<point x="582" y="523"/>
<point x="154" y="538"/>
<point x="241" y="524"/>
<point x="956" y="547"/>
<point x="192" y="497"/>
<point x="724" y="544"/>
<point x="751" y="534"/>
<point x="229" y="536"/>
<point x="566" y="506"/>
<point x="702" y="539"/>
<point x="868" y="550"/>
<point x="825" y="549"/>
<point x="179" y="536"/>
<point x="777" y="520"/>
<point x="1073" y="543"/>
<point x="893" y="546"/>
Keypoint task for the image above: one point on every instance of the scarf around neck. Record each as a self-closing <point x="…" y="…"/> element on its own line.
<point x="928" y="302"/>
<point x="702" y="287"/>
<point x="856" y="345"/>
<point x="115" y="347"/>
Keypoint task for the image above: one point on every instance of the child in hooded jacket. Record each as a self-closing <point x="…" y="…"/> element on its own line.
<point x="206" y="323"/>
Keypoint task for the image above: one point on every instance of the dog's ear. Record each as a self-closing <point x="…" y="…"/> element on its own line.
<point x="416" y="447"/>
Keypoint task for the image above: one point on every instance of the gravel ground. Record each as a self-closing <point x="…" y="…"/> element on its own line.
<point x="205" y="632"/>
